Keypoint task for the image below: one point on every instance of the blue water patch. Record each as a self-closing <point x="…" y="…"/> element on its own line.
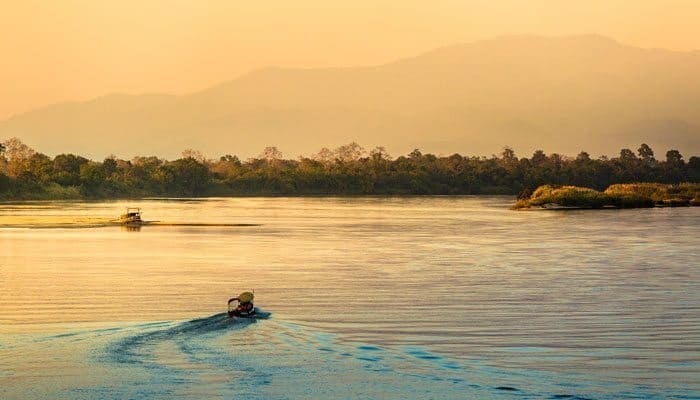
<point x="216" y="357"/>
<point x="59" y="336"/>
<point x="368" y="348"/>
<point x="219" y="357"/>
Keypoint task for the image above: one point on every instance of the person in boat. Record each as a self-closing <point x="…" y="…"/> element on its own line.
<point x="245" y="305"/>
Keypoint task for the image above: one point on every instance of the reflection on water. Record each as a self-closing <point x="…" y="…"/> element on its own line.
<point x="441" y="297"/>
<point x="130" y="228"/>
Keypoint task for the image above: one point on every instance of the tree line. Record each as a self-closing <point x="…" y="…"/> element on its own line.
<point x="346" y="170"/>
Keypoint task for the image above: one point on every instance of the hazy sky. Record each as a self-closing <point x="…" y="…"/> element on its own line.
<point x="57" y="50"/>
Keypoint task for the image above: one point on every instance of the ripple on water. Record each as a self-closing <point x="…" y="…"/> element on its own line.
<point x="460" y="296"/>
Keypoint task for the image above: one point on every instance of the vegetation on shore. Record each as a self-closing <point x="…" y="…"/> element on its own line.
<point x="347" y="170"/>
<point x="630" y="195"/>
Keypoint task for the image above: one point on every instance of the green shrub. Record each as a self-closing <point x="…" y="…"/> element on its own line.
<point x="655" y="191"/>
<point x="55" y="191"/>
<point x="631" y="195"/>
<point x="568" y="196"/>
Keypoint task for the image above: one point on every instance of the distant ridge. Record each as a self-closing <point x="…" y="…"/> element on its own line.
<point x="560" y="94"/>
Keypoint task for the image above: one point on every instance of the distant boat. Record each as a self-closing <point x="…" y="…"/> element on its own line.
<point x="132" y="216"/>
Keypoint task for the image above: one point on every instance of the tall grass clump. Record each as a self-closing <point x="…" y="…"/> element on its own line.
<point x="628" y="195"/>
<point x="649" y="194"/>
<point x="653" y="191"/>
<point x="567" y="196"/>
<point x="685" y="190"/>
<point x="58" y="192"/>
<point x="635" y="195"/>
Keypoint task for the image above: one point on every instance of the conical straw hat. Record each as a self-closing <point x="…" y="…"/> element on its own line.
<point x="246" y="297"/>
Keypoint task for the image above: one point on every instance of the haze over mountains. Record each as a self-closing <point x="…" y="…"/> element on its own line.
<point x="562" y="95"/>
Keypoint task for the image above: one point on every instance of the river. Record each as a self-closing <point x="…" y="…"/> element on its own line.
<point x="370" y="297"/>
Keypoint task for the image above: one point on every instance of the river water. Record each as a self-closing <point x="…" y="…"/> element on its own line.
<point x="370" y="297"/>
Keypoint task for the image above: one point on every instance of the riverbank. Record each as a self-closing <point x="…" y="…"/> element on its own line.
<point x="630" y="195"/>
<point x="347" y="171"/>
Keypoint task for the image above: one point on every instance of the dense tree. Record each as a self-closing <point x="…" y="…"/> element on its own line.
<point x="5" y="184"/>
<point x="17" y="155"/>
<point x="626" y="155"/>
<point x="189" y="177"/>
<point x="40" y="168"/>
<point x="538" y="157"/>
<point x="66" y="169"/>
<point x="92" y="177"/>
<point x="583" y="157"/>
<point x="231" y="159"/>
<point x="348" y="169"/>
<point x="674" y="157"/>
<point x="109" y="165"/>
<point x="646" y="153"/>
<point x="694" y="169"/>
<point x="508" y="155"/>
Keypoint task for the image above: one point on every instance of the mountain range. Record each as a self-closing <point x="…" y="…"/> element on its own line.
<point x="558" y="94"/>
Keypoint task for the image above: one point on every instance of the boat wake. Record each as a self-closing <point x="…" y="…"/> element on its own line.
<point x="265" y="358"/>
<point x="135" y="349"/>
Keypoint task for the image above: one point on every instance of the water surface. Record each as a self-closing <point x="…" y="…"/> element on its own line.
<point x="424" y="297"/>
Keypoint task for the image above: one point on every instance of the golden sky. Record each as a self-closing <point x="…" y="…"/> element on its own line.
<point x="58" y="50"/>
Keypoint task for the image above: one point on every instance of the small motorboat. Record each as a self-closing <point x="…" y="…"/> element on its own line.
<point x="132" y="216"/>
<point x="242" y="306"/>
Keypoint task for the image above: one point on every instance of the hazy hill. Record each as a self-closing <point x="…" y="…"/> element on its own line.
<point x="559" y="94"/>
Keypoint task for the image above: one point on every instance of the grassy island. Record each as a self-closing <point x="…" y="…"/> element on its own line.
<point x="628" y="195"/>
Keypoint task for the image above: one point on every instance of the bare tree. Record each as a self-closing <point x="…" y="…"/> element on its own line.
<point x="271" y="153"/>
<point x="17" y="154"/>
<point x="379" y="153"/>
<point x="324" y="155"/>
<point x="349" y="152"/>
<point x="508" y="155"/>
